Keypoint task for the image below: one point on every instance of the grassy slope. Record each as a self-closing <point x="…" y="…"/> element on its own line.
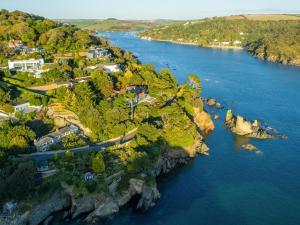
<point x="115" y="25"/>
<point x="264" y="17"/>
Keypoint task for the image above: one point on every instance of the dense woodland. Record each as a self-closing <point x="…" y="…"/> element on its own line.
<point x="277" y="41"/>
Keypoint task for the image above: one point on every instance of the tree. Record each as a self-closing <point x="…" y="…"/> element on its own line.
<point x="55" y="157"/>
<point x="98" y="164"/>
<point x="103" y="83"/>
<point x="195" y="82"/>
<point x="35" y="101"/>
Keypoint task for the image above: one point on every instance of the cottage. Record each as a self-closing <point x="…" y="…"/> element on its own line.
<point x="44" y="143"/>
<point x="98" y="53"/>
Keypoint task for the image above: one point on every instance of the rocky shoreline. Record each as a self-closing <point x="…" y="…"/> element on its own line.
<point x="102" y="205"/>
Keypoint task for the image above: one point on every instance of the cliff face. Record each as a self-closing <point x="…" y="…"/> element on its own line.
<point x="203" y="121"/>
<point x="103" y="204"/>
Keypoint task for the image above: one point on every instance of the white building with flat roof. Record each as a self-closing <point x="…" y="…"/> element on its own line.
<point x="26" y="65"/>
<point x="111" y="68"/>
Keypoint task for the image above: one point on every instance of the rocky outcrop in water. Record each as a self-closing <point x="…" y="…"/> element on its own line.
<point x="242" y="127"/>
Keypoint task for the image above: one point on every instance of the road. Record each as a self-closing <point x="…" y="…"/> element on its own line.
<point x="40" y="156"/>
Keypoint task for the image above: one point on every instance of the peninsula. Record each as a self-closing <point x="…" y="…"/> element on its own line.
<point x="84" y="125"/>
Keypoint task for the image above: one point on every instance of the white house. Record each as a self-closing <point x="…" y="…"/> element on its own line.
<point x="111" y="68"/>
<point x="26" y="65"/>
<point x="21" y="107"/>
<point x="237" y="42"/>
<point x="225" y="43"/>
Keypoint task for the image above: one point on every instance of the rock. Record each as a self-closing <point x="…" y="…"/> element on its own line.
<point x="249" y="147"/>
<point x="149" y="195"/>
<point x="211" y="102"/>
<point x="48" y="220"/>
<point x="203" y="149"/>
<point x="106" y="208"/>
<point x="229" y="116"/>
<point x="19" y="220"/>
<point x="124" y="197"/>
<point x="83" y="205"/>
<point x="137" y="185"/>
<point x="240" y="126"/>
<point x="203" y="121"/>
<point x="58" y="201"/>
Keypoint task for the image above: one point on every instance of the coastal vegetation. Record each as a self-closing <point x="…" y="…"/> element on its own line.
<point x="271" y="37"/>
<point x="104" y="106"/>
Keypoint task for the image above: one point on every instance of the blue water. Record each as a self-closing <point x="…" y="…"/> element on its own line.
<point x="231" y="186"/>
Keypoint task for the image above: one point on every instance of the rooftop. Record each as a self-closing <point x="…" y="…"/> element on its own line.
<point x="19" y="103"/>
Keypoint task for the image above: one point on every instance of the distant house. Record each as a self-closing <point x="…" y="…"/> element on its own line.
<point x="225" y="42"/>
<point x="98" y="53"/>
<point x="88" y="176"/>
<point x="44" y="143"/>
<point x="25" y="49"/>
<point x="111" y="68"/>
<point x="21" y="107"/>
<point x="237" y="42"/>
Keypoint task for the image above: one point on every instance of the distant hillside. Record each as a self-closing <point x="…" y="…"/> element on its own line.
<point x="275" y="38"/>
<point x="266" y="17"/>
<point x="112" y="24"/>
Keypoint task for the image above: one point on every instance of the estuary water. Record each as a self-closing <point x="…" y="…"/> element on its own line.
<point x="231" y="186"/>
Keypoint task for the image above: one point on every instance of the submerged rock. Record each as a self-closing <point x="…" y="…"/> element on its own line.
<point x="249" y="147"/>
